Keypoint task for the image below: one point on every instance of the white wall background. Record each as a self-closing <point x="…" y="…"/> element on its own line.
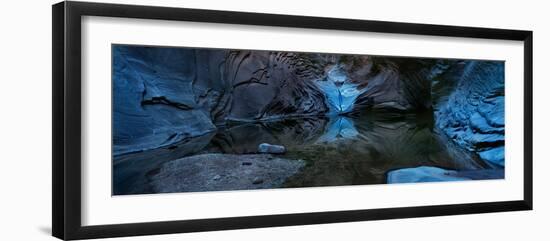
<point x="25" y="122"/>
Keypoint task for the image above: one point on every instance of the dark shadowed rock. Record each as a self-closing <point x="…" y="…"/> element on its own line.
<point x="360" y="151"/>
<point x="267" y="85"/>
<point x="395" y="85"/>
<point x="215" y="172"/>
<point x="271" y="149"/>
<point x="130" y="170"/>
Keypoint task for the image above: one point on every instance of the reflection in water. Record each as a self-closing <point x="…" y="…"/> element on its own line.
<point x="339" y="128"/>
<point x="338" y="150"/>
<point x="130" y="171"/>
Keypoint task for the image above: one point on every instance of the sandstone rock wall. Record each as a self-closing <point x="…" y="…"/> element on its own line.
<point x="153" y="98"/>
<point x="164" y="95"/>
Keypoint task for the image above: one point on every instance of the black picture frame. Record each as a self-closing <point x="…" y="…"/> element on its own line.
<point x="66" y="58"/>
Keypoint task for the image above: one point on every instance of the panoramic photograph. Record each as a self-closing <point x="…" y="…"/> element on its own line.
<point x="199" y="119"/>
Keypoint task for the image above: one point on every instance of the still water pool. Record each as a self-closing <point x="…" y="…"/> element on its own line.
<point x="337" y="150"/>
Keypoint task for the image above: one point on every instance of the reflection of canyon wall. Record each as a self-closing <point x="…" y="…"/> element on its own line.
<point x="165" y="95"/>
<point x="391" y="84"/>
<point x="341" y="150"/>
<point x="245" y="137"/>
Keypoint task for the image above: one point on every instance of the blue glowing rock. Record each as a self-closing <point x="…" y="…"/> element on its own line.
<point x="423" y="174"/>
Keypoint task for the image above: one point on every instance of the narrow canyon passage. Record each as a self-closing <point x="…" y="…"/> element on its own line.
<point x="191" y="119"/>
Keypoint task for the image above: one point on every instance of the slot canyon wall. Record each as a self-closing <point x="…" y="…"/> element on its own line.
<point x="166" y="95"/>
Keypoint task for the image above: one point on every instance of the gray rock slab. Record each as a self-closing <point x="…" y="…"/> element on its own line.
<point x="220" y="172"/>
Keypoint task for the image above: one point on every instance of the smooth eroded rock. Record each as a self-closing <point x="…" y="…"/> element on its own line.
<point x="436" y="174"/>
<point x="494" y="155"/>
<point x="423" y="174"/>
<point x="271" y="149"/>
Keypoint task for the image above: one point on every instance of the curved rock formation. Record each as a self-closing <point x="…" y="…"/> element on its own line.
<point x="393" y="84"/>
<point x="153" y="99"/>
<point x="164" y="95"/>
<point x="268" y="85"/>
<point x="470" y="109"/>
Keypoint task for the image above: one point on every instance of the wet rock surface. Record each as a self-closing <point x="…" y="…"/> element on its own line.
<point x="130" y="171"/>
<point x="436" y="174"/>
<point x="269" y="85"/>
<point x="218" y="172"/>
<point x="423" y="174"/>
<point x="271" y="149"/>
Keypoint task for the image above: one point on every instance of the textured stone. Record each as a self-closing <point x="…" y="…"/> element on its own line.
<point x="395" y="85"/>
<point x="340" y="93"/>
<point x="470" y="109"/>
<point x="217" y="172"/>
<point x="265" y="85"/>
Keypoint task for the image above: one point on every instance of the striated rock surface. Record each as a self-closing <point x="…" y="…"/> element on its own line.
<point x="221" y="172"/>
<point x="130" y="171"/>
<point x="357" y="83"/>
<point x="153" y="99"/>
<point x="269" y="85"/>
<point x="164" y="95"/>
<point x="470" y="108"/>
